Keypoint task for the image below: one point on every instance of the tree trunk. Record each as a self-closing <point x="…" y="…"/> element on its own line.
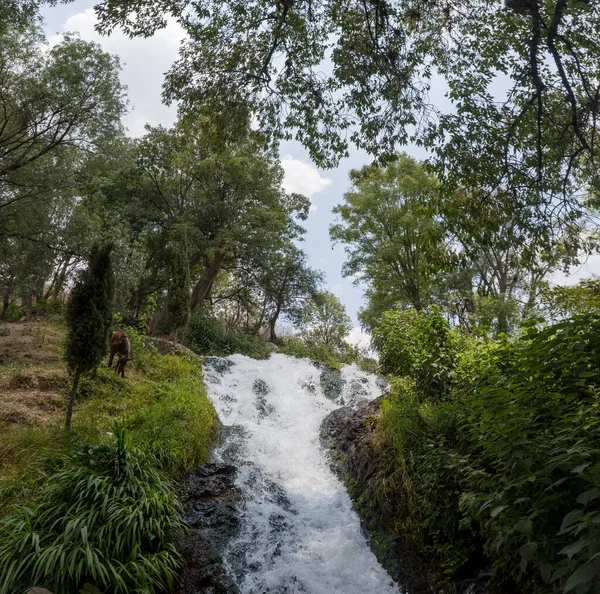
<point x="29" y="310"/>
<point x="272" y="322"/>
<point x="5" y="302"/>
<point x="72" y="400"/>
<point x="204" y="285"/>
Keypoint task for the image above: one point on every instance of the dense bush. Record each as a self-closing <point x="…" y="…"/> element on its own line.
<point x="206" y="336"/>
<point x="508" y="462"/>
<point x="108" y="518"/>
<point x="421" y="345"/>
<point x="534" y="484"/>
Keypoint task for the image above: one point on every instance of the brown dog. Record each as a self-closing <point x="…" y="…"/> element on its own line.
<point x="120" y="346"/>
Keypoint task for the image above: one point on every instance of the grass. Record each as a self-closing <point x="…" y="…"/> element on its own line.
<point x="162" y="402"/>
<point x="98" y="504"/>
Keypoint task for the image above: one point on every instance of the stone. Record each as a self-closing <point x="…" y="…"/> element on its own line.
<point x="210" y="512"/>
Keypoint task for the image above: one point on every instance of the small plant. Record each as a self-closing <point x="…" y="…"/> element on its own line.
<point x="4" y="331"/>
<point x="108" y="519"/>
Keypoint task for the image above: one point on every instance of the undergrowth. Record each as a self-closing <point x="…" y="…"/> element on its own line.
<point x="495" y="451"/>
<point x="108" y="518"/>
<point x="97" y="505"/>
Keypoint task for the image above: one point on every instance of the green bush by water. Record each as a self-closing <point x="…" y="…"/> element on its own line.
<point x="507" y="463"/>
<point x="205" y="336"/>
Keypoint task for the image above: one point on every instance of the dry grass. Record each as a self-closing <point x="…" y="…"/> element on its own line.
<point x="33" y="375"/>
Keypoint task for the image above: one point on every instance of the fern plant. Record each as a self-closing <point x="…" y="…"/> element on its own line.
<point x="108" y="518"/>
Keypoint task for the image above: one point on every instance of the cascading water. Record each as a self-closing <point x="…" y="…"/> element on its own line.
<point x="298" y="531"/>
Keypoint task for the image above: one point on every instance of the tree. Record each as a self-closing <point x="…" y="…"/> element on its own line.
<point x="227" y="190"/>
<point x="89" y="317"/>
<point x="325" y="321"/>
<point x="521" y="109"/>
<point x="287" y="284"/>
<point x="392" y="238"/>
<point x="69" y="95"/>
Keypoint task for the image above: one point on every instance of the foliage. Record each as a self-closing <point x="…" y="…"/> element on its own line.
<point x="206" y="336"/>
<point x="108" y="518"/>
<point x="89" y="313"/>
<point x="334" y="357"/>
<point x="507" y="462"/>
<point x="392" y="239"/>
<point x="534" y="485"/>
<point x="520" y="109"/>
<point x="67" y="95"/>
<point x="324" y="320"/>
<point x="560" y="301"/>
<point x="420" y="345"/>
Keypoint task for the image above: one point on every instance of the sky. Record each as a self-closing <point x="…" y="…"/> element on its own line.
<point x="144" y="63"/>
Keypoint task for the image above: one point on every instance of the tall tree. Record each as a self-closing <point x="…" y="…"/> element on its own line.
<point x="69" y="95"/>
<point x="287" y="283"/>
<point x="392" y="238"/>
<point x="89" y="317"/>
<point x="228" y="191"/>
<point x="325" y="321"/>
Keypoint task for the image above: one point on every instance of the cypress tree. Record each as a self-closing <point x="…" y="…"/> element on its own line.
<point x="89" y="317"/>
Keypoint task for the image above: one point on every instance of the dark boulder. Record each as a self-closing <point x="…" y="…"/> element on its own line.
<point x="210" y="511"/>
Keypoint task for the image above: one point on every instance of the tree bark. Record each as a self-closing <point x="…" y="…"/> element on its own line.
<point x="29" y="310"/>
<point x="272" y="322"/>
<point x="72" y="400"/>
<point x="5" y="301"/>
<point x="204" y="285"/>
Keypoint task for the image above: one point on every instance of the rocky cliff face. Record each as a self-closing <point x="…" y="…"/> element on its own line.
<point x="349" y="435"/>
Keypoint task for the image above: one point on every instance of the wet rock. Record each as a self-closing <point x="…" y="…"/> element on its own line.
<point x="260" y="387"/>
<point x="273" y="348"/>
<point x="210" y="511"/>
<point x="263" y="407"/>
<point x="332" y="383"/>
<point x="218" y="364"/>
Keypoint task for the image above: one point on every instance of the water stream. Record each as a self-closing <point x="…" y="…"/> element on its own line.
<point x="298" y="531"/>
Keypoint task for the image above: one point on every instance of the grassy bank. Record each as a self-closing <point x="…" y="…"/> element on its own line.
<point x="156" y="424"/>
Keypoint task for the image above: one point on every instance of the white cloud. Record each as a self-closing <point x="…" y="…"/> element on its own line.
<point x="359" y="337"/>
<point x="591" y="267"/>
<point x="303" y="178"/>
<point x="144" y="63"/>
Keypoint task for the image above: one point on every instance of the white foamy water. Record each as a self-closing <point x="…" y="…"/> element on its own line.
<point x="298" y="532"/>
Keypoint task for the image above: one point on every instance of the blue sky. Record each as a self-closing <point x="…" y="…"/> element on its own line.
<point x="144" y="63"/>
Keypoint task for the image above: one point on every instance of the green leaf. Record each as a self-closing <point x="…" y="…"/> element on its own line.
<point x="497" y="510"/>
<point x="588" y="496"/>
<point x="524" y="526"/>
<point x="571" y="518"/>
<point x="581" y="576"/>
<point x="527" y="551"/>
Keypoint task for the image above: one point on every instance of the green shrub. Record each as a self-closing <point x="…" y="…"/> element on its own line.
<point x="14" y="312"/>
<point x="419" y="344"/>
<point x="535" y="479"/>
<point x="205" y="336"/>
<point x="108" y="518"/>
<point x="204" y="333"/>
<point x="508" y="461"/>
<point x="423" y="478"/>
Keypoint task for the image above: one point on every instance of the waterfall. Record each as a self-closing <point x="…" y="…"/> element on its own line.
<point x="298" y="530"/>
